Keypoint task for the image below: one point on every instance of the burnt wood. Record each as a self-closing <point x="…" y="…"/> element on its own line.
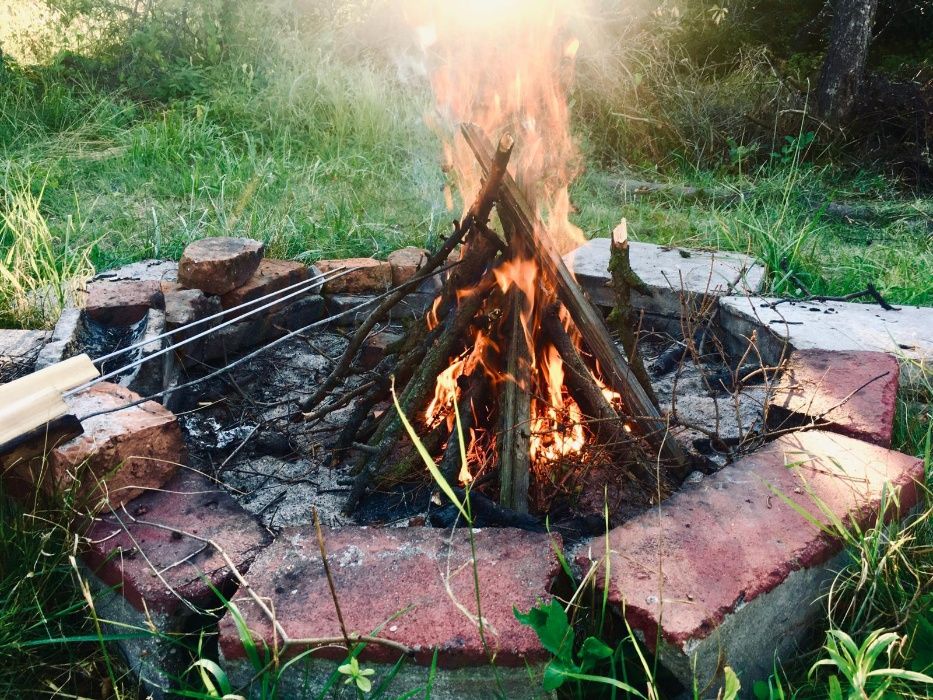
<point x="474" y="233"/>
<point x="617" y="373"/>
<point x="515" y="411"/>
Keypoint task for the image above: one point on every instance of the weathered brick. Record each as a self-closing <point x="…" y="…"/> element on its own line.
<point x="849" y="392"/>
<point x="122" y="303"/>
<point x="120" y="454"/>
<point x="406" y="262"/>
<point x="148" y="575"/>
<point x="373" y="276"/>
<point x="735" y="570"/>
<point x="219" y="265"/>
<point x="379" y="573"/>
<point x="270" y="276"/>
<point x="375" y="346"/>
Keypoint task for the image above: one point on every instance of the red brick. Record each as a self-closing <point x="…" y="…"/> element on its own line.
<point x="128" y="554"/>
<point x="375" y="346"/>
<point x="124" y="302"/>
<point x="406" y="262"/>
<point x="130" y="450"/>
<point x="374" y="276"/>
<point x="378" y="573"/>
<point x="219" y="265"/>
<point x="849" y="392"/>
<point x="732" y="539"/>
<point x="270" y="276"/>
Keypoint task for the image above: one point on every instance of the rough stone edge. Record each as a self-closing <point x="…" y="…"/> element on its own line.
<point x="308" y="679"/>
<point x="791" y="607"/>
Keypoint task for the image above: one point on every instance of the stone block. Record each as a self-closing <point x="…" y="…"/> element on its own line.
<point x="375" y="346"/>
<point x="270" y="276"/>
<point x="372" y="277"/>
<point x="406" y="262"/>
<point x="63" y="342"/>
<point x="151" y="566"/>
<point x="853" y="393"/>
<point x="120" y="454"/>
<point x="122" y="303"/>
<point x="677" y="277"/>
<point x="353" y="309"/>
<point x="19" y="351"/>
<point x="834" y="325"/>
<point x="410" y="585"/>
<point x="219" y="265"/>
<point x="727" y="572"/>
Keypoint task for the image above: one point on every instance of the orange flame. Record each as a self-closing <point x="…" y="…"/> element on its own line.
<point x="507" y="65"/>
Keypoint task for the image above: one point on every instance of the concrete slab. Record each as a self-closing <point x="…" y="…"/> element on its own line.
<point x="728" y="572"/>
<point x="675" y="275"/>
<point x="906" y="333"/>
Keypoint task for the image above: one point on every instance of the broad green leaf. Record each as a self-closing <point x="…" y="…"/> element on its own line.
<point x="552" y="627"/>
<point x="593" y="651"/>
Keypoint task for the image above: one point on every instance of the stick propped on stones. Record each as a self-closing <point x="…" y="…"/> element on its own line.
<point x="618" y="374"/>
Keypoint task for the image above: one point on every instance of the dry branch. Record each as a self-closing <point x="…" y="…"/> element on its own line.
<point x="617" y="373"/>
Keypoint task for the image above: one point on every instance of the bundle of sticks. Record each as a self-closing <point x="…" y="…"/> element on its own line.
<point x="429" y="347"/>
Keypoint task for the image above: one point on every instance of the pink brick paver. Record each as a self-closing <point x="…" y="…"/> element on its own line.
<point x="383" y="572"/>
<point x="127" y="554"/>
<point x="849" y="392"/>
<point x="732" y="553"/>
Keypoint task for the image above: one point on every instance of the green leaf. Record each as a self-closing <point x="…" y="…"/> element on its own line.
<point x="555" y="673"/>
<point x="593" y="651"/>
<point x="732" y="686"/>
<point x="363" y="683"/>
<point x="552" y="627"/>
<point x="835" y="690"/>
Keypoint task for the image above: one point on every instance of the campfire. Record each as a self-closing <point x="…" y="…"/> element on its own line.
<point x="511" y="346"/>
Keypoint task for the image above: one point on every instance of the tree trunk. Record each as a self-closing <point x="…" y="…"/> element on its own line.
<point x="844" y="65"/>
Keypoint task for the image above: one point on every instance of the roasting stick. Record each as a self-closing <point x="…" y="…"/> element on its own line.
<point x="318" y="279"/>
<point x="31" y="402"/>
<point x="196" y="336"/>
<point x="258" y="351"/>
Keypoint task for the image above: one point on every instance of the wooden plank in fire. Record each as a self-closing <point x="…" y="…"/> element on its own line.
<point x="618" y="374"/>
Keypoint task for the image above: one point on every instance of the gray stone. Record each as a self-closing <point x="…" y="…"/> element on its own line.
<point x="19" y="351"/>
<point x="308" y="678"/>
<point x="144" y="270"/>
<point x="678" y="277"/>
<point x="64" y="341"/>
<point x="906" y="333"/>
<point x="355" y="308"/>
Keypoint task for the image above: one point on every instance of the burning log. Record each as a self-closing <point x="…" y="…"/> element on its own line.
<point x="451" y="463"/>
<point x="623" y="317"/>
<point x="417" y="392"/>
<point x="618" y="375"/>
<point x="515" y="411"/>
<point x="580" y="380"/>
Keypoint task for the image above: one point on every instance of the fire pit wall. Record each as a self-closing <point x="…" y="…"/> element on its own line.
<point x="740" y="567"/>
